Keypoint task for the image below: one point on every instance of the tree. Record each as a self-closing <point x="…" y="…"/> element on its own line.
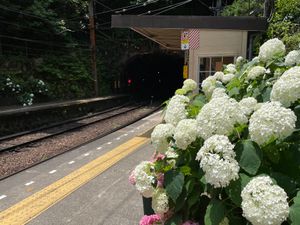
<point x="285" y="23"/>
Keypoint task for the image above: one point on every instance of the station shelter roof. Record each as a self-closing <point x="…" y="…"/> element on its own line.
<point x="166" y="30"/>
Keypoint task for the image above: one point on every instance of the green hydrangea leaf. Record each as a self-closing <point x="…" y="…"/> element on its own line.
<point x="215" y="212"/>
<point x="174" y="182"/>
<point x="287" y="183"/>
<point x="234" y="91"/>
<point x="174" y="220"/>
<point x="295" y="210"/>
<point x="297" y="112"/>
<point x="235" y="188"/>
<point x="249" y="156"/>
<point x="266" y="94"/>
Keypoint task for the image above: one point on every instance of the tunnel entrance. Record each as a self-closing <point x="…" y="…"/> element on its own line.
<point x="156" y="74"/>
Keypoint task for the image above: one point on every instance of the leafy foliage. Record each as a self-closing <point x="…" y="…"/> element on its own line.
<point x="191" y="187"/>
<point x="284" y="22"/>
<point x="244" y="8"/>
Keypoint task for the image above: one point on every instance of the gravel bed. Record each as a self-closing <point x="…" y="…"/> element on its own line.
<point x="50" y="131"/>
<point x="12" y="162"/>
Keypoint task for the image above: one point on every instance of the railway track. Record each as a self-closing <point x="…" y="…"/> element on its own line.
<point x="27" y="154"/>
<point x="19" y="140"/>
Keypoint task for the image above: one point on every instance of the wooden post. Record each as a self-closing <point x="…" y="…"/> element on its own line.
<point x="93" y="45"/>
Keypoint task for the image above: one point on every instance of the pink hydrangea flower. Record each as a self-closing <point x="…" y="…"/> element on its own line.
<point x="189" y="222"/>
<point x="132" y="178"/>
<point x="150" y="220"/>
<point x="160" y="180"/>
<point x="157" y="157"/>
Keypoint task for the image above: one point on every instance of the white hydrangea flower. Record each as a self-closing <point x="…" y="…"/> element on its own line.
<point x="209" y="85"/>
<point x="264" y="202"/>
<point x="227" y="77"/>
<point x="239" y="60"/>
<point x="293" y="58"/>
<point x="270" y="49"/>
<point x="287" y="88"/>
<point x="219" y="116"/>
<point x="218" y="93"/>
<point x="185" y="133"/>
<point x="171" y="153"/>
<point x="160" y="135"/>
<point x="144" y="178"/>
<point x="189" y="85"/>
<point x="258" y="106"/>
<point x="217" y="159"/>
<point x="271" y="120"/>
<point x="248" y="105"/>
<point x="176" y="109"/>
<point x="230" y="68"/>
<point x="255" y="72"/>
<point x="218" y="75"/>
<point x="255" y="60"/>
<point x="160" y="201"/>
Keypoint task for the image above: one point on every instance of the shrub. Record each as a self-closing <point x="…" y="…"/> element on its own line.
<point x="240" y="163"/>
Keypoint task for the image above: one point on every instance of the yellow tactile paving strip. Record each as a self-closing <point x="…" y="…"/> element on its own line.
<point x="29" y="208"/>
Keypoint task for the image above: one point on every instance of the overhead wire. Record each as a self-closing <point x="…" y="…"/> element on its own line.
<point x="24" y="13"/>
<point x="39" y="49"/>
<point x="203" y="3"/>
<point x="178" y="5"/>
<point x="31" y="28"/>
<point x="105" y="6"/>
<point x="30" y="14"/>
<point x="41" y="42"/>
<point x="120" y="9"/>
<point x="133" y="7"/>
<point x="162" y="8"/>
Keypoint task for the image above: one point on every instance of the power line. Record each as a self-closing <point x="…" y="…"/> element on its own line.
<point x="41" y="42"/>
<point x="40" y="31"/>
<point x="26" y="48"/>
<point x="18" y="25"/>
<point x="29" y="14"/>
<point x="105" y="6"/>
<point x="162" y="8"/>
<point x="123" y="9"/>
<point x="104" y="34"/>
<point x="175" y="6"/>
<point x="203" y="3"/>
<point x="24" y="13"/>
<point x="131" y="8"/>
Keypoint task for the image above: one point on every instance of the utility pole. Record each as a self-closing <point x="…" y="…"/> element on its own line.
<point x="93" y="45"/>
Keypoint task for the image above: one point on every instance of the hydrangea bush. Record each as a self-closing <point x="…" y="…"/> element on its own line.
<point x="229" y="155"/>
<point x="23" y="91"/>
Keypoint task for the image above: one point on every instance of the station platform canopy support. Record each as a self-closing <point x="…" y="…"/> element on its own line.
<point x="213" y="40"/>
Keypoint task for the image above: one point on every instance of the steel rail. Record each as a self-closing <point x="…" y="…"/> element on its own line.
<point x="15" y="135"/>
<point x="85" y="143"/>
<point x="63" y="131"/>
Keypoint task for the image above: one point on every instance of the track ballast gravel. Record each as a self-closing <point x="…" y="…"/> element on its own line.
<point x="14" y="161"/>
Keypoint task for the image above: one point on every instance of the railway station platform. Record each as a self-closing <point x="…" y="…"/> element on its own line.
<point x="86" y="186"/>
<point x="9" y="110"/>
<point x="16" y="119"/>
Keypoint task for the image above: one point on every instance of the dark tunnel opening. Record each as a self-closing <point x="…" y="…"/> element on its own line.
<point x="153" y="75"/>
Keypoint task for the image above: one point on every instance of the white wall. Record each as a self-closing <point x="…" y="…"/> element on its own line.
<point x="217" y="43"/>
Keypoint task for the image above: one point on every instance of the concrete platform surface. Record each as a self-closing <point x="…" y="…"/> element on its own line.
<point x="106" y="199"/>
